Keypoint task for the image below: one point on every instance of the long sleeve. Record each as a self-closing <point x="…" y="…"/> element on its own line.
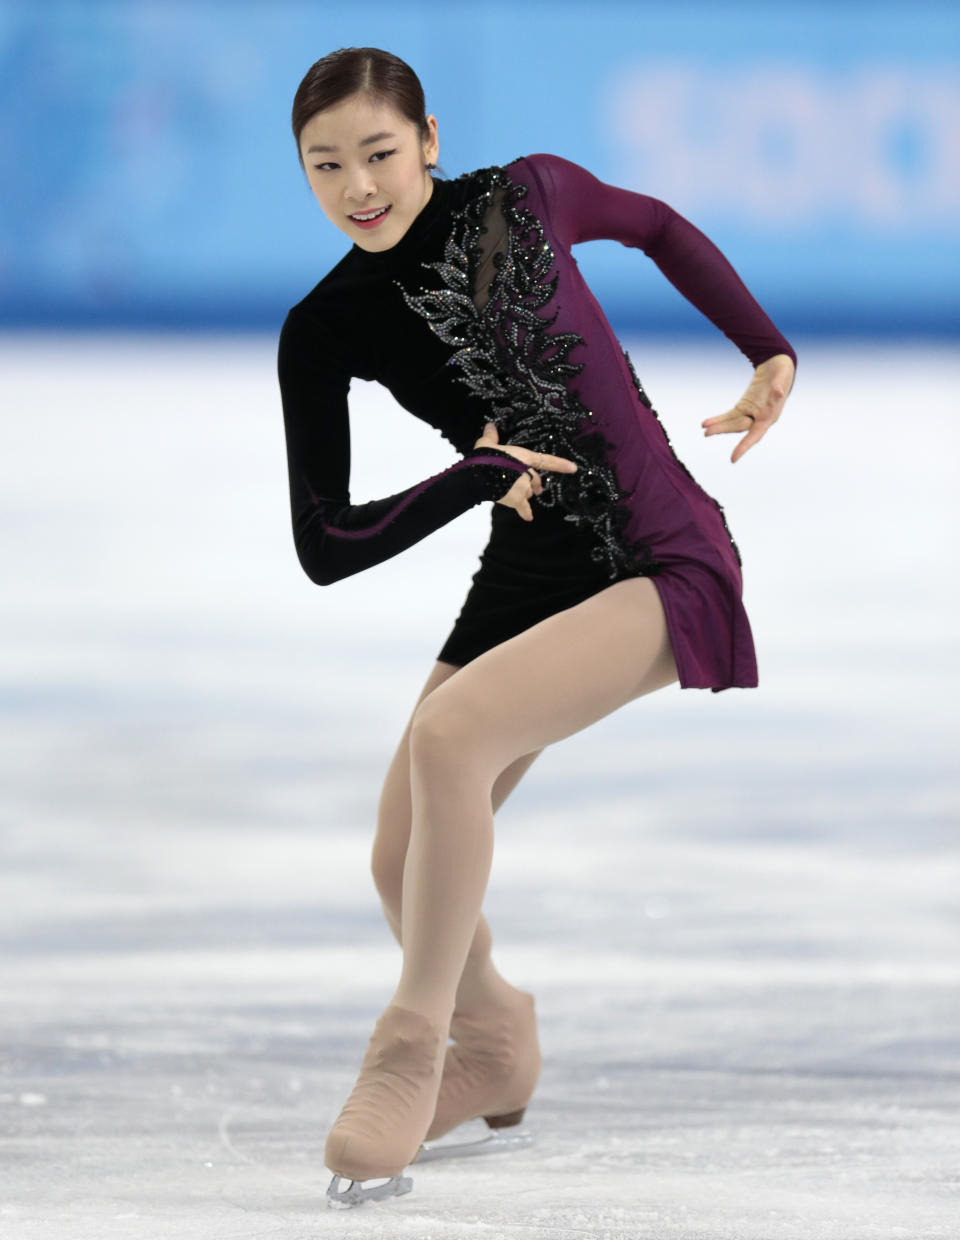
<point x="333" y="537"/>
<point x="584" y="208"/>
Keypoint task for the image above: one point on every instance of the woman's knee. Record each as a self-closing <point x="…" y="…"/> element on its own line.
<point x="394" y="810"/>
<point x="444" y="727"/>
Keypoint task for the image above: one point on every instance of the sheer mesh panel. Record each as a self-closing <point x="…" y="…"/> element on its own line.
<point x="493" y="240"/>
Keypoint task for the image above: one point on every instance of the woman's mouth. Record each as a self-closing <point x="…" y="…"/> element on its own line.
<point x="370" y="219"/>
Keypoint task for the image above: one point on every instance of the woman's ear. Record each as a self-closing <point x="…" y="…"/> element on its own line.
<point x="431" y="146"/>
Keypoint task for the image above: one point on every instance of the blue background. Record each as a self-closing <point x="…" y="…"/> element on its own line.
<point x="151" y="176"/>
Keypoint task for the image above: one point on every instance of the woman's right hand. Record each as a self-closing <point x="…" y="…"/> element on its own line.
<point x="526" y="484"/>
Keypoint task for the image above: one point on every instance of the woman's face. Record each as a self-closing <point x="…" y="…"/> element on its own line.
<point x="362" y="156"/>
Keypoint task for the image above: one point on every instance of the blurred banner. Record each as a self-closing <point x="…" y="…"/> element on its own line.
<point x="150" y="175"/>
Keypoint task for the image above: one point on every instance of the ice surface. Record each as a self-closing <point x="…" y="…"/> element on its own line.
<point x="738" y="912"/>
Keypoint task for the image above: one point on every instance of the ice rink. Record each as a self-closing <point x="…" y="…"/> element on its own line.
<point x="738" y="912"/>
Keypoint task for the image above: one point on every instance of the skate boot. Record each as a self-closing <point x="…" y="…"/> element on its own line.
<point x="491" y="1072"/>
<point x="383" y="1122"/>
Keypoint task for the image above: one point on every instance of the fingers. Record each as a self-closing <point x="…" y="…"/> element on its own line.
<point x="522" y="506"/>
<point x="745" y="445"/>
<point x="539" y="460"/>
<point x="535" y="488"/>
<point x="736" y="421"/>
<point x="529" y="483"/>
<point x="731" y="421"/>
<point x="559" y="464"/>
<point x="518" y="496"/>
<point x="544" y="460"/>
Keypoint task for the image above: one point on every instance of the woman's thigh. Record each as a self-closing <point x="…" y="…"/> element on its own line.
<point x="551" y="680"/>
<point x="395" y="805"/>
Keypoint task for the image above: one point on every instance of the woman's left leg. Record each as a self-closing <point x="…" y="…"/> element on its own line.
<point x="541" y="686"/>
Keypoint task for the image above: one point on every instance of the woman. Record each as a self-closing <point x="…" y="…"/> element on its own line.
<point x="609" y="572"/>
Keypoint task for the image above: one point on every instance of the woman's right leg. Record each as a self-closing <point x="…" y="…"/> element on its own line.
<point x="480" y="980"/>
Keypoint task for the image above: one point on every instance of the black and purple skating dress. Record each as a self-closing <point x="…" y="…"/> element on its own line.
<point x="479" y="313"/>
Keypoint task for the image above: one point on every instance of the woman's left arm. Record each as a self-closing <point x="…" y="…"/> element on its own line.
<point x="584" y="208"/>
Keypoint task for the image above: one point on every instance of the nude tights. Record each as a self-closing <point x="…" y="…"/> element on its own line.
<point x="474" y="732"/>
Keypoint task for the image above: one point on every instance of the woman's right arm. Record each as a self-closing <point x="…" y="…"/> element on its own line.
<point x="334" y="538"/>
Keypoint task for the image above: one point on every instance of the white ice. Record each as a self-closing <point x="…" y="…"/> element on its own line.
<point x="738" y="912"/>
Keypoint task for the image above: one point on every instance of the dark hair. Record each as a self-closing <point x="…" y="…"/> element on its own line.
<point x="359" y="70"/>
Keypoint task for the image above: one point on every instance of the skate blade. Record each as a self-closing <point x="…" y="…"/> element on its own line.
<point x="494" y="1143"/>
<point x="355" y="1194"/>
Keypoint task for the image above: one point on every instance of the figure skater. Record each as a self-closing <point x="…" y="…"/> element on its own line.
<point x="609" y="572"/>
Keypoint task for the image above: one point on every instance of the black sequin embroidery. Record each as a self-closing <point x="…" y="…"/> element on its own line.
<point x="505" y="354"/>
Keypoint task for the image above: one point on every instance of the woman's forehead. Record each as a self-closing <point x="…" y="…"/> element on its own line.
<point x="354" y="119"/>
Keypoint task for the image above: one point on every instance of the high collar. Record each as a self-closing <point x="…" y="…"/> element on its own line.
<point x="413" y="239"/>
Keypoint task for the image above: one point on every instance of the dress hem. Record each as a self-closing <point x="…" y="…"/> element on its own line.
<point x="686" y="677"/>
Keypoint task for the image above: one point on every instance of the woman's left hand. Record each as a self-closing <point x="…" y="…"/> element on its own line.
<point x="759" y="407"/>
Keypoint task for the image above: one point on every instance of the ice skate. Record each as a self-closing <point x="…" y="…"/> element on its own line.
<point x="382" y="1124"/>
<point x="490" y="1072"/>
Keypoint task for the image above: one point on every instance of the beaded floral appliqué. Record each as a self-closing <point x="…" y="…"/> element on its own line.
<point x="506" y="354"/>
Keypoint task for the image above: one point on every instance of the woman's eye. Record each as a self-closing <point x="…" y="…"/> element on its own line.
<point x="379" y="156"/>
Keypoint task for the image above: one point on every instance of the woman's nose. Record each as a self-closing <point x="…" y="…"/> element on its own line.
<point x="360" y="185"/>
